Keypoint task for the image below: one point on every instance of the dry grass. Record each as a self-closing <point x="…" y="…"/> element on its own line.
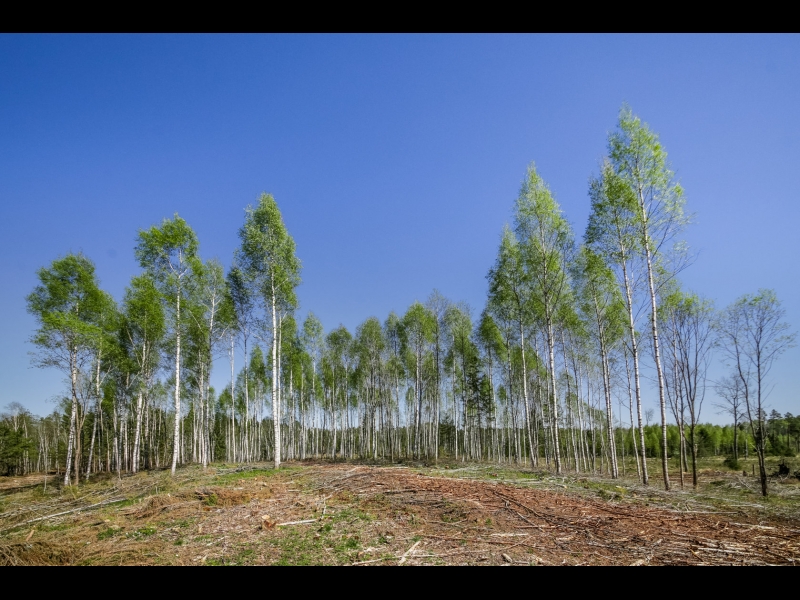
<point x="367" y="515"/>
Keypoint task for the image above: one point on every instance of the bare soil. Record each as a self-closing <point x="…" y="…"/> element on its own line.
<point x="351" y="514"/>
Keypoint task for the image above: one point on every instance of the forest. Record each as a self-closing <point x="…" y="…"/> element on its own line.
<point x="550" y="373"/>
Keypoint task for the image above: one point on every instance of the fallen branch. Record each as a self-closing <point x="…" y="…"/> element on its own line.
<point x="408" y="552"/>
<point x="523" y="517"/>
<point x="374" y="560"/>
<point x="297" y="522"/>
<point x="66" y="512"/>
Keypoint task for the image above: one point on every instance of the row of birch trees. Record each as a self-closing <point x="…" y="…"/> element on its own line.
<point x="549" y="373"/>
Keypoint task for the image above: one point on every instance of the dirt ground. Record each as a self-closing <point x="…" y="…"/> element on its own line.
<point x="361" y="515"/>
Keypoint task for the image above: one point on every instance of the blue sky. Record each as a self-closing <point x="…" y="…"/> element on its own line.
<point x="395" y="159"/>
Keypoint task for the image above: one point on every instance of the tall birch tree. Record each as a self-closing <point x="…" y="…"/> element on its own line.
<point x="67" y="305"/>
<point x="547" y="245"/>
<point x="640" y="161"/>
<point x="601" y="302"/>
<point x="509" y="293"/>
<point x="142" y="331"/>
<point x="612" y="234"/>
<point x="267" y="256"/>
<point x="419" y="324"/>
<point x="169" y="253"/>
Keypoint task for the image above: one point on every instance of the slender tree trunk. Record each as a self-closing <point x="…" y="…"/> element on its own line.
<point x="176" y="437"/>
<point x="137" y="434"/>
<point x="525" y="391"/>
<point x="609" y="416"/>
<point x="73" y="416"/>
<point x="657" y="354"/>
<point x="635" y="356"/>
<point x="96" y="416"/>
<point x="276" y="409"/>
<point x="552" y="358"/>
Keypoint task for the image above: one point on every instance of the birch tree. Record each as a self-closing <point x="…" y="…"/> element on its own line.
<point x="601" y="301"/>
<point x="338" y="344"/>
<point x="267" y="256"/>
<point x="419" y="325"/>
<point x="169" y="253"/>
<point x="688" y="321"/>
<point x="67" y="305"/>
<point x="460" y="358"/>
<point x="369" y="346"/>
<point x="142" y="330"/>
<point x="639" y="160"/>
<point x="243" y="308"/>
<point x="729" y="390"/>
<point x="212" y="298"/>
<point x="490" y="338"/>
<point x="509" y="300"/>
<point x="313" y="343"/>
<point x="546" y="244"/>
<point x="437" y="304"/>
<point x="752" y="335"/>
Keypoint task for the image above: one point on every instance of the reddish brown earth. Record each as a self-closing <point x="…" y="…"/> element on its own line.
<point x="366" y="515"/>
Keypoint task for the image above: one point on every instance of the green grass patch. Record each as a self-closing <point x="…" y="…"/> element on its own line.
<point x="144" y="532"/>
<point x="123" y="504"/>
<point x="299" y="548"/>
<point x="183" y="523"/>
<point x="350" y="515"/>
<point x="244" y="556"/>
<point x="237" y="476"/>
<point x="55" y="527"/>
<point x="108" y="533"/>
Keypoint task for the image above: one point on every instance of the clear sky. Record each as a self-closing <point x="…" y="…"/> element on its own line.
<point x="394" y="159"/>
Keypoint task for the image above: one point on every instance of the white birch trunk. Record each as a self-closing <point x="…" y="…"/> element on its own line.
<point x="525" y="392"/>
<point x="635" y="355"/>
<point x="137" y="434"/>
<point x="177" y="433"/>
<point x="276" y="410"/>
<point x="73" y="417"/>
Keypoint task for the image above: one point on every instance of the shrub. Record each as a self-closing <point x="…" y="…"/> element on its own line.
<point x="732" y="464"/>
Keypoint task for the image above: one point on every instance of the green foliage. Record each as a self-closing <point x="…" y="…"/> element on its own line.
<point x="600" y="298"/>
<point x="732" y="463"/>
<point x="267" y="253"/>
<point x="142" y="327"/>
<point x="419" y="324"/>
<point x="68" y="306"/>
<point x="546" y="246"/>
<point x="13" y="446"/>
<point x="640" y="161"/>
<point x="507" y="282"/>
<point x="168" y="252"/>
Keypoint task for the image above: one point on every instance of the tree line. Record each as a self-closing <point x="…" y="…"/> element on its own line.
<point x="548" y="373"/>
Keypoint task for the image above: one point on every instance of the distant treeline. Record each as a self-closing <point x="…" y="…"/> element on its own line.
<point x="34" y="444"/>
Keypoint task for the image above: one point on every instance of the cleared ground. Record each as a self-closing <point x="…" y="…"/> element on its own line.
<point x="353" y="514"/>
